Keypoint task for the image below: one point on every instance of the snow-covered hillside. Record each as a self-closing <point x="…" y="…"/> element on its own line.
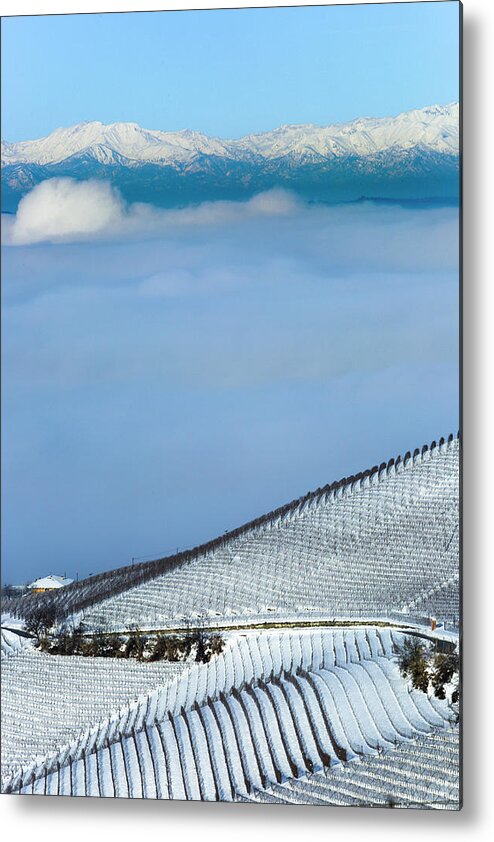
<point x="434" y="128"/>
<point x="297" y="707"/>
<point x="271" y="708"/>
<point x="426" y="775"/>
<point x="63" y="695"/>
<point x="13" y="643"/>
<point x="382" y="542"/>
<point x="371" y="550"/>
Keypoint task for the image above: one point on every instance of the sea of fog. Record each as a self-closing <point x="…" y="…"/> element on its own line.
<point x="170" y="374"/>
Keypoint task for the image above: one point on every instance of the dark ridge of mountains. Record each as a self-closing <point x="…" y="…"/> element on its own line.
<point x="415" y="177"/>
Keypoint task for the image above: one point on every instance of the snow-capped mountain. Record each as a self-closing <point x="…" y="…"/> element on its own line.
<point x="114" y="142"/>
<point x="412" y="155"/>
<point x="434" y="128"/>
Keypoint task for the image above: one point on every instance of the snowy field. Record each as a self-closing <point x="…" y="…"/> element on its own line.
<point x="48" y="699"/>
<point x="425" y="775"/>
<point x="12" y="643"/>
<point x="271" y="708"/>
<point x="302" y="715"/>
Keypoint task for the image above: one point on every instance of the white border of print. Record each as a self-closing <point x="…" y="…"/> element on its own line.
<point x="79" y="819"/>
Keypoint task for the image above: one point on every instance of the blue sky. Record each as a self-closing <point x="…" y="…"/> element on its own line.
<point x="227" y="72"/>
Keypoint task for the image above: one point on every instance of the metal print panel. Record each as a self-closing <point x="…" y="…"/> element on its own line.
<point x="230" y="260"/>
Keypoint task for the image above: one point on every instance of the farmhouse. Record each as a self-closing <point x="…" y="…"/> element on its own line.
<point x="48" y="583"/>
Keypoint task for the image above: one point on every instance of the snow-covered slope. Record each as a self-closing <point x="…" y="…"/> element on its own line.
<point x="435" y="128"/>
<point x="63" y="695"/>
<point x="425" y="775"/>
<point x="13" y="643"/>
<point x="366" y="547"/>
<point x="316" y="712"/>
<point x="368" y="551"/>
<point x="273" y="707"/>
<point x="115" y="142"/>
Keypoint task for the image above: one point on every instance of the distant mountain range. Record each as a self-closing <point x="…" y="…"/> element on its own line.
<point x="413" y="155"/>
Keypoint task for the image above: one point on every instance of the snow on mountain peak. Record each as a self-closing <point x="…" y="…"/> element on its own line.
<point x="434" y="128"/>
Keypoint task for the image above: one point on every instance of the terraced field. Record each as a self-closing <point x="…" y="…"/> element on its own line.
<point x="424" y="776"/>
<point x="62" y="695"/>
<point x="305" y="704"/>
<point x="272" y="708"/>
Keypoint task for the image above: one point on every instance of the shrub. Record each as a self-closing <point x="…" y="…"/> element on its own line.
<point x="159" y="650"/>
<point x="97" y="646"/>
<point x="444" y="668"/>
<point x="419" y="673"/>
<point x="410" y="651"/>
<point x="207" y="645"/>
<point x="168" y="648"/>
<point x="413" y="663"/>
<point x="417" y="663"/>
<point x="134" y="646"/>
<point x="161" y="647"/>
<point x="216" y="644"/>
<point x="202" y="654"/>
<point x="64" y="644"/>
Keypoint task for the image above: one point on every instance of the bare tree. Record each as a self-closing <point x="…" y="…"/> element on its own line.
<point x="40" y="621"/>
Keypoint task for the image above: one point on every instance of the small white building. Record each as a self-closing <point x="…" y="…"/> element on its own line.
<point x="48" y="583"/>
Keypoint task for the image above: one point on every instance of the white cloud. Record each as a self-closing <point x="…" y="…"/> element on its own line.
<point x="63" y="209"/>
